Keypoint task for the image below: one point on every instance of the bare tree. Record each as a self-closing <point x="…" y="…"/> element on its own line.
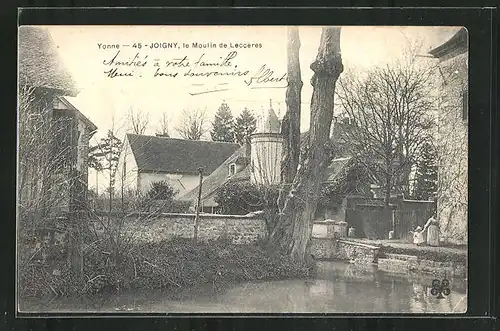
<point x="389" y="112"/>
<point x="293" y="231"/>
<point x="138" y="121"/>
<point x="193" y="125"/>
<point x="164" y="125"/>
<point x="49" y="185"/>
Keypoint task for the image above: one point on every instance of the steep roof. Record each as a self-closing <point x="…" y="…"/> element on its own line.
<point x="336" y="167"/>
<point x="456" y="44"/>
<point x="270" y="123"/>
<point x="70" y="105"/>
<point x="171" y="155"/>
<point x="39" y="62"/>
<point x="219" y="177"/>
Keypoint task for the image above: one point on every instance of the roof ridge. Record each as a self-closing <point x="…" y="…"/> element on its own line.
<point x="181" y="139"/>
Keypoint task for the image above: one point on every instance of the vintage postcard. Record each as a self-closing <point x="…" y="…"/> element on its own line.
<point x="242" y="169"/>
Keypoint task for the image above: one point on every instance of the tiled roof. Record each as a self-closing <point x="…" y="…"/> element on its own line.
<point x="336" y="167"/>
<point x="219" y="177"/>
<point x="39" y="62"/>
<point x="458" y="42"/>
<point x="171" y="155"/>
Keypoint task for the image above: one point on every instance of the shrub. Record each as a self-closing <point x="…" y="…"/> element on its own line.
<point x="161" y="190"/>
<point x="239" y="198"/>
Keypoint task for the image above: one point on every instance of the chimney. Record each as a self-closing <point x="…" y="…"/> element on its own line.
<point x="162" y="135"/>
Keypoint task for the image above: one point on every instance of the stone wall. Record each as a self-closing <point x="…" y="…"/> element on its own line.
<point x="414" y="265"/>
<point x="343" y="250"/>
<point x="240" y="229"/>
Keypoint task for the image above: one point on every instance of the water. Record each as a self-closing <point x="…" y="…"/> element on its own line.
<point x="338" y="288"/>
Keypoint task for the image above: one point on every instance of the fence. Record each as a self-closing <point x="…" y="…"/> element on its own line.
<point x="409" y="215"/>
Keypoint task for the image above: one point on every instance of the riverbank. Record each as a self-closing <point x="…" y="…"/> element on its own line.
<point x="337" y="287"/>
<point x="170" y="266"/>
<point x="402" y="257"/>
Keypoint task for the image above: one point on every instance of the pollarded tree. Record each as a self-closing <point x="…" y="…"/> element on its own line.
<point x="293" y="231"/>
<point x="244" y="126"/>
<point x="222" y="126"/>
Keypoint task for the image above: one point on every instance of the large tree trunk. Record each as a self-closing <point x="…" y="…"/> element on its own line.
<point x="291" y="122"/>
<point x="290" y="127"/>
<point x="300" y="204"/>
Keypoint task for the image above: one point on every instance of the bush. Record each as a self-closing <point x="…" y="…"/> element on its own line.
<point x="239" y="198"/>
<point x="161" y="190"/>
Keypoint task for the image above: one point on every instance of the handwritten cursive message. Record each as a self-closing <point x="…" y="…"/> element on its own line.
<point x="202" y="67"/>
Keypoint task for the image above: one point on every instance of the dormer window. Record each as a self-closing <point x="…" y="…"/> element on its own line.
<point x="232" y="169"/>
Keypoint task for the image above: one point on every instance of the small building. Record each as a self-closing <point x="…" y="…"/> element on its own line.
<point x="53" y="134"/>
<point x="147" y="159"/>
<point x="452" y="135"/>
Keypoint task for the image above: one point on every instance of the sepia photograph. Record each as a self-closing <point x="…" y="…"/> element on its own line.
<point x="242" y="169"/>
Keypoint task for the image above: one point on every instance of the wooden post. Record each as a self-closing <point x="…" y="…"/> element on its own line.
<point x="198" y="204"/>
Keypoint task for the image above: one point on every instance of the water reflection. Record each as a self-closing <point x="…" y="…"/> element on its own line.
<point x="338" y="288"/>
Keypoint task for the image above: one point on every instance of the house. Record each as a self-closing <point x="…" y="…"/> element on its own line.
<point x="53" y="134"/>
<point x="452" y="135"/>
<point x="259" y="162"/>
<point x="148" y="159"/>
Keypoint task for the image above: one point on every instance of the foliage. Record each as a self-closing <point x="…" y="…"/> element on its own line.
<point x="353" y="179"/>
<point x="181" y="265"/>
<point x="426" y="174"/>
<point x="222" y="126"/>
<point x="193" y="124"/>
<point x="95" y="158"/>
<point x="239" y="198"/>
<point x="161" y="190"/>
<point x="244" y="126"/>
<point x="106" y="155"/>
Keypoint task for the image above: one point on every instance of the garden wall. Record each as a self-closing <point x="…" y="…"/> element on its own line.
<point x="343" y="250"/>
<point x="240" y="229"/>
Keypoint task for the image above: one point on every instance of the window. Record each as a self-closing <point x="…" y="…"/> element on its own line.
<point x="465" y="105"/>
<point x="232" y="169"/>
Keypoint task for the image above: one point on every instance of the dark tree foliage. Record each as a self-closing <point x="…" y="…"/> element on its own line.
<point x="222" y="126"/>
<point x="161" y="190"/>
<point x="241" y="198"/>
<point x="244" y="126"/>
<point x="426" y="175"/>
<point x="354" y="180"/>
<point x="105" y="155"/>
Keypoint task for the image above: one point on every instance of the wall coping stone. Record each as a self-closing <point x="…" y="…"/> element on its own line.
<point x="138" y="214"/>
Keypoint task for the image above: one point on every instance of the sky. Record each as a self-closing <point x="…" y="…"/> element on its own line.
<point x="106" y="101"/>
